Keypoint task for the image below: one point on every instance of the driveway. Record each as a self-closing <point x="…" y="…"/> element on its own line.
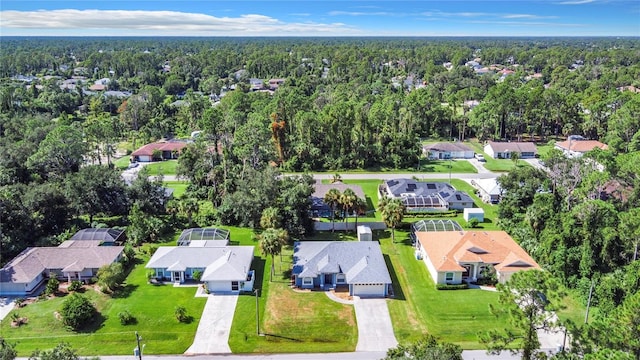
<point x="6" y="305"/>
<point x="212" y="336"/>
<point x="375" y="332"/>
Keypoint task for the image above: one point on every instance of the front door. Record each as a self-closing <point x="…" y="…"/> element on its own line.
<point x="328" y="279"/>
<point x="175" y="276"/>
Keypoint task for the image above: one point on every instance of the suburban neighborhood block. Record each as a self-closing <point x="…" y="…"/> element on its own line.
<point x="419" y="196"/>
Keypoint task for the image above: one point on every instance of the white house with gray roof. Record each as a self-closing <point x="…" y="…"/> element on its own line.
<point x="222" y="268"/>
<point x="24" y="274"/>
<point x="420" y="196"/>
<point x="328" y="264"/>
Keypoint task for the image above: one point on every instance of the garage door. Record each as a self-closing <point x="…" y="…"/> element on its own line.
<point x="368" y="290"/>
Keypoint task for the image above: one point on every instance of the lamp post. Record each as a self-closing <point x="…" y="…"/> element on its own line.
<point x="138" y="349"/>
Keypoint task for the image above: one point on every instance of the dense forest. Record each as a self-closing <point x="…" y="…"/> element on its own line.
<point x="269" y="105"/>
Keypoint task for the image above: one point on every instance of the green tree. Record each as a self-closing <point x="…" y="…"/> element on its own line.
<point x="181" y="314"/>
<point x="332" y="198"/>
<point x="271" y="245"/>
<point x="530" y="299"/>
<point x="271" y="218"/>
<point x="53" y="286"/>
<point x="77" y="311"/>
<point x="347" y="201"/>
<point x="96" y="189"/>
<point x="392" y="211"/>
<point x="111" y="276"/>
<point x="7" y="350"/>
<point x="427" y="348"/>
<point x="62" y="351"/>
<point x="60" y="153"/>
<point x="515" y="156"/>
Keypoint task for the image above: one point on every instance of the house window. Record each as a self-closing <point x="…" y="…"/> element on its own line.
<point x="448" y="276"/>
<point x="307" y="281"/>
<point x="234" y="286"/>
<point x="340" y="279"/>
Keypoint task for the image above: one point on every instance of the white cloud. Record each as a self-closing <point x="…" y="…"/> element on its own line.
<point x="527" y="16"/>
<point x="125" y="22"/>
<point x="363" y="13"/>
<point x="524" y="23"/>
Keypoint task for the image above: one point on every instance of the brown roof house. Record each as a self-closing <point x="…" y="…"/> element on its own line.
<point x="161" y="150"/>
<point x="448" y="150"/>
<point x="454" y="257"/>
<point x="503" y="150"/>
<point x="576" y="146"/>
<point x="25" y="273"/>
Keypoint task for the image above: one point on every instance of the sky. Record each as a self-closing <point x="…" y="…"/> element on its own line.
<point x="320" y="18"/>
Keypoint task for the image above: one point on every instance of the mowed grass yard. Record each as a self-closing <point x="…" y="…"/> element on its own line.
<point x="291" y="321"/>
<point x="152" y="306"/>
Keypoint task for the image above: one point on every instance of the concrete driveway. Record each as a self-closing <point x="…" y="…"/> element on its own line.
<point x="212" y="336"/>
<point x="375" y="332"/>
<point x="6" y="305"/>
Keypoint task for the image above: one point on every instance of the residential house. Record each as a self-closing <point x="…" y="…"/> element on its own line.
<point x="221" y="268"/>
<point x="161" y="150"/>
<point x="418" y="196"/>
<point x="576" y="146"/>
<point x="488" y="190"/>
<point x="275" y="83"/>
<point x="326" y="265"/>
<point x="454" y="257"/>
<point x="503" y="150"/>
<point x="318" y="207"/>
<point x="446" y="150"/>
<point x="72" y="260"/>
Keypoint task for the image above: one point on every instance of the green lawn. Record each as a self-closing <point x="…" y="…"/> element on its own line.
<point x="426" y="166"/>
<point x="122" y="163"/>
<point x="167" y="167"/>
<point x="152" y="306"/>
<point x="497" y="165"/>
<point x="179" y="187"/>
<point x="418" y="308"/>
<point x="292" y="321"/>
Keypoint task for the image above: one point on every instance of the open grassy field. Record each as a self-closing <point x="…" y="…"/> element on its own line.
<point x="152" y="306"/>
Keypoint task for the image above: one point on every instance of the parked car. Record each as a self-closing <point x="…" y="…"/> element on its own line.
<point x="480" y="157"/>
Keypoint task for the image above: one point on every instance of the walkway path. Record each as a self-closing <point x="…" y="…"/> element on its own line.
<point x="212" y="336"/>
<point x="375" y="331"/>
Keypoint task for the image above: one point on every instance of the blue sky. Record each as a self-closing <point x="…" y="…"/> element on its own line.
<point x="320" y="18"/>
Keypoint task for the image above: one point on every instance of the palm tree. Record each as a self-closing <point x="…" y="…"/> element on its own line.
<point x="332" y="198"/>
<point x="515" y="156"/>
<point x="359" y="206"/>
<point x="347" y="200"/>
<point x="270" y="244"/>
<point x="270" y="218"/>
<point x="392" y="215"/>
<point x="188" y="207"/>
<point x="336" y="178"/>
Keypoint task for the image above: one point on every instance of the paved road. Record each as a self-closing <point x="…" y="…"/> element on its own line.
<point x="375" y="331"/>
<point x="387" y="176"/>
<point x="212" y="336"/>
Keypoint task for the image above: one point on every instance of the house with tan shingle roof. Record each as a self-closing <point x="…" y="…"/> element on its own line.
<point x="454" y="257"/>
<point x="503" y="150"/>
<point x="577" y="146"/>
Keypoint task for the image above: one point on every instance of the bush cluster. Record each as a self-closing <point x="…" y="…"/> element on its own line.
<point x="452" y="287"/>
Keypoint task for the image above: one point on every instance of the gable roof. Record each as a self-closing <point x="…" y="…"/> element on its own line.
<point x="447" y="249"/>
<point x="447" y="146"/>
<point x="361" y="262"/>
<point x="513" y="147"/>
<point x="581" y="145"/>
<point x="147" y="150"/>
<point x="489" y="186"/>
<point x="220" y="263"/>
<point x="33" y="261"/>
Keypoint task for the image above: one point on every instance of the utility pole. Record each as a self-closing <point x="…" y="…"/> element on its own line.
<point x="138" y="349"/>
<point x="257" y="313"/>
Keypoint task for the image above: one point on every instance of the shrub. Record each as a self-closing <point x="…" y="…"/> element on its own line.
<point x="52" y="286"/>
<point x="197" y="275"/>
<point x="473" y="223"/>
<point x="111" y="276"/>
<point x="126" y="318"/>
<point x="452" y="287"/>
<point x="488" y="276"/>
<point x="19" y="302"/>
<point x="76" y="311"/>
<point x="181" y="314"/>
<point x="75" y="285"/>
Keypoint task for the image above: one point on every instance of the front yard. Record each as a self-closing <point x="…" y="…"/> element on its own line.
<point x="291" y="321"/>
<point x="152" y="306"/>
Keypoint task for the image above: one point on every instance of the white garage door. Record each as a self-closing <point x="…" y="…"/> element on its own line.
<point x="369" y="290"/>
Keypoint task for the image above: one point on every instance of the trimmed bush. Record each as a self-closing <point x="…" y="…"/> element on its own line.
<point x="126" y="318"/>
<point x="452" y="287"/>
<point x="52" y="286"/>
<point x="181" y="314"/>
<point x="75" y="285"/>
<point x="77" y="311"/>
